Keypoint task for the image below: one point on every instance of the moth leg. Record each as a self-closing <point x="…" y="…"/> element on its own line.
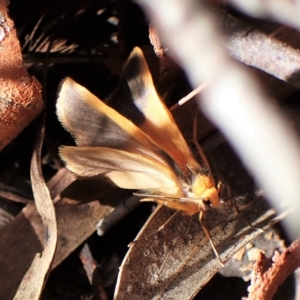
<point x="208" y="235"/>
<point x="162" y="227"/>
<point x="237" y="210"/>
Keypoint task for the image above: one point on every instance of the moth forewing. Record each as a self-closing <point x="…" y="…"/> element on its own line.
<point x="124" y="169"/>
<point x="93" y="123"/>
<point x="157" y="122"/>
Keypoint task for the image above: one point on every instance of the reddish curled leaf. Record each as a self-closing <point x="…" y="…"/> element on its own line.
<point x="20" y="95"/>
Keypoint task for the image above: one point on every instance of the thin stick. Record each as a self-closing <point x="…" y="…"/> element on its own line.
<point x="29" y="38"/>
<point x="190" y="95"/>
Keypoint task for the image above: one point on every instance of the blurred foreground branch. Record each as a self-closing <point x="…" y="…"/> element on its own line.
<point x="233" y="100"/>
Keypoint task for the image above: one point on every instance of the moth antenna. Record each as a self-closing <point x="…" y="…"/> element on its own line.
<point x="208" y="235"/>
<point x="199" y="149"/>
<point x="141" y="195"/>
<point x="150" y="196"/>
<point x="162" y="227"/>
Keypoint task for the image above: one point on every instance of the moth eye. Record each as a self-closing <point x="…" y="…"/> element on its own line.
<point x="206" y="202"/>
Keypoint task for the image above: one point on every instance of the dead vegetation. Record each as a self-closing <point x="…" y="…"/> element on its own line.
<point x="250" y="65"/>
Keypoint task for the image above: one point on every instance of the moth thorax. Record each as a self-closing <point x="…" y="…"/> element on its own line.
<point x="204" y="188"/>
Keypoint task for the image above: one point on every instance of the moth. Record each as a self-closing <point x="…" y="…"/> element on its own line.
<point x="135" y="143"/>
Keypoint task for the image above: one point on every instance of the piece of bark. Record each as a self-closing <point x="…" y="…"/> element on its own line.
<point x="266" y="279"/>
<point x="20" y="95"/>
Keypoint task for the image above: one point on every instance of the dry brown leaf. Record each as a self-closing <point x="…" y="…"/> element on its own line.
<point x="75" y="223"/>
<point x="35" y="278"/>
<point x="178" y="261"/>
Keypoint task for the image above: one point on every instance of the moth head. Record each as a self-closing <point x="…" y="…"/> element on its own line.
<point x="204" y="188"/>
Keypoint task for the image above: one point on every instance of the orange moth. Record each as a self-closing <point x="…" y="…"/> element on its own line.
<point x="135" y="143"/>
